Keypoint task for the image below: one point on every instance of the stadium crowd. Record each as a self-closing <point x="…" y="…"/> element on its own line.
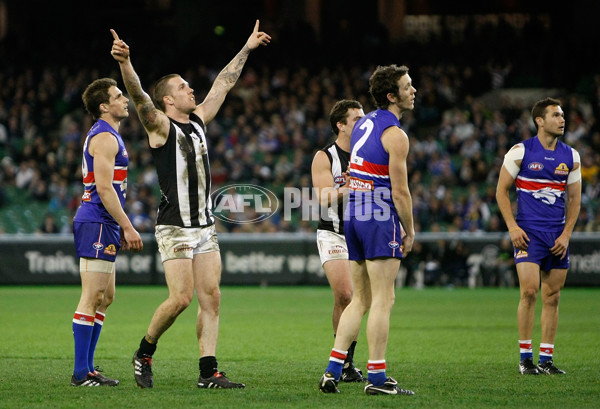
<point x="269" y="129"/>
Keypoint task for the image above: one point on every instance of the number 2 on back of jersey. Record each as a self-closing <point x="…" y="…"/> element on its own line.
<point x="367" y="126"/>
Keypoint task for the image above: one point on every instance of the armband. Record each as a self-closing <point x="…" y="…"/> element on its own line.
<point x="575" y="176"/>
<point x="513" y="155"/>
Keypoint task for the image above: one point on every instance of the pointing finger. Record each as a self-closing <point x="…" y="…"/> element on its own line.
<point x="256" y="26"/>
<point x="114" y="33"/>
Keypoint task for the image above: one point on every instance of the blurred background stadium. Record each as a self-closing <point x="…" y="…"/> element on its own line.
<point x="477" y="67"/>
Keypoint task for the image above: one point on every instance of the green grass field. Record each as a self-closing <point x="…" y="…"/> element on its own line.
<point x="456" y="349"/>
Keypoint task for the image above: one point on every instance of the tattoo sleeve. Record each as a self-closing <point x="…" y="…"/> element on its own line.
<point x="232" y="71"/>
<point x="142" y="101"/>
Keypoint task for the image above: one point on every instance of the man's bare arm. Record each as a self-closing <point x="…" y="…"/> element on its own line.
<point x="228" y="76"/>
<point x="154" y="121"/>
<point x="395" y="142"/>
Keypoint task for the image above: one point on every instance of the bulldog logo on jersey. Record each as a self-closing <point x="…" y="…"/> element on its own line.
<point x="562" y="169"/>
<point x="548" y="195"/>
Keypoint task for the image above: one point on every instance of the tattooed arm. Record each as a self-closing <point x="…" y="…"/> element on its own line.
<point x="154" y="121"/>
<point x="229" y="76"/>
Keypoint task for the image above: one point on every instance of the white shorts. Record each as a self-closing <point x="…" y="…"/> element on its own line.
<point x="184" y="242"/>
<point x="332" y="246"/>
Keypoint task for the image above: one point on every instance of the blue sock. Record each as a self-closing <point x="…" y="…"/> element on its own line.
<point x="83" y="326"/>
<point x="546" y="352"/>
<point x="525" y="348"/>
<point x="376" y="372"/>
<point x="98" y="322"/>
<point x="336" y="363"/>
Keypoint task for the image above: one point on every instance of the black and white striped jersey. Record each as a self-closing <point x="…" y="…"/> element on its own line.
<point x="339" y="160"/>
<point x="184" y="176"/>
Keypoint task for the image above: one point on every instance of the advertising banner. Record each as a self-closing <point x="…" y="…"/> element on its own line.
<point x="252" y="259"/>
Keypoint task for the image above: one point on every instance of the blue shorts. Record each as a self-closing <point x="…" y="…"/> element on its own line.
<point x="369" y="239"/>
<point x="96" y="240"/>
<point x="538" y="251"/>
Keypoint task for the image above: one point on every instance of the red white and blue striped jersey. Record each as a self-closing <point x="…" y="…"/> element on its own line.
<point x="91" y="208"/>
<point x="369" y="163"/>
<point x="541" y="185"/>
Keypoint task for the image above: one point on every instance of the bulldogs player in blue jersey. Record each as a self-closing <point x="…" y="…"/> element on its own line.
<point x="379" y="211"/>
<point x="547" y="176"/>
<point x="100" y="226"/>
<point x="329" y="171"/>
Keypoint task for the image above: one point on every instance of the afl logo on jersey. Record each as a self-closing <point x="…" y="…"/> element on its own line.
<point x="535" y="166"/>
<point x="393" y="244"/>
<point x="339" y="180"/>
<point x="98" y="246"/>
<point x="561" y="169"/>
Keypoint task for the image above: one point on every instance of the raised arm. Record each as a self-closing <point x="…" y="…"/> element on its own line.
<point x="154" y="121"/>
<point x="229" y="75"/>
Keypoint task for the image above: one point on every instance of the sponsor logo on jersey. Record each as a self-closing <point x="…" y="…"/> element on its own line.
<point x="111" y="250"/>
<point x="521" y="254"/>
<point x="182" y="247"/>
<point x="561" y="169"/>
<point x="337" y="249"/>
<point x="393" y="244"/>
<point x="87" y="196"/>
<point x="124" y="153"/>
<point x="98" y="246"/>
<point x="360" y="184"/>
<point x="535" y="166"/>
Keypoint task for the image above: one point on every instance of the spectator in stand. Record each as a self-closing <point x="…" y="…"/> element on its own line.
<point x="48" y="226"/>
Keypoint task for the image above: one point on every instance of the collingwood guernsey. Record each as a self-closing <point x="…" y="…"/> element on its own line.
<point x="339" y="163"/>
<point x="184" y="176"/>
